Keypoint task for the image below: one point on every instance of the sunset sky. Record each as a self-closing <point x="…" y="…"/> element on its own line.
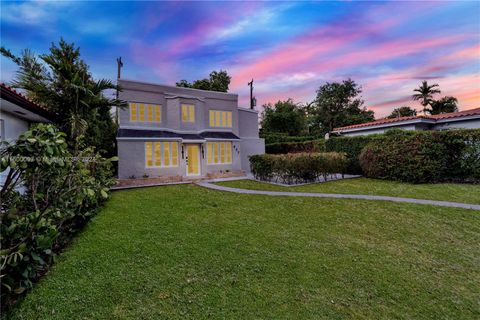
<point x="289" y="48"/>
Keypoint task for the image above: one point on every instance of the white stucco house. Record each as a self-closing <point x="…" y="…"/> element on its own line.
<point x="466" y="119"/>
<point x="17" y="114"/>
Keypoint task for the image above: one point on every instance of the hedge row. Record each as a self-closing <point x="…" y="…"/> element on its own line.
<point x="352" y="147"/>
<point x="424" y="156"/>
<point x="296" y="147"/>
<point x="298" y="167"/>
<point x="60" y="193"/>
<point x="278" y="137"/>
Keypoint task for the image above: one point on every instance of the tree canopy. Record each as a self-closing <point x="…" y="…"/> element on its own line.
<point x="217" y="81"/>
<point x="444" y="105"/>
<point x="60" y="81"/>
<point x="283" y="117"/>
<point x="337" y="104"/>
<point x="404" y="111"/>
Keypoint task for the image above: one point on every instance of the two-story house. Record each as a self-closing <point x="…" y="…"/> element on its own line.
<point x="169" y="131"/>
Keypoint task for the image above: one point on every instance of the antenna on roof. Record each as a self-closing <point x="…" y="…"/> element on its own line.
<point x="119" y="67"/>
<point x="253" y="100"/>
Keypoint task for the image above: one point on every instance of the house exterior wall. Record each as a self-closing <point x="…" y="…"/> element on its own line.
<point x="131" y="151"/>
<point x="465" y="124"/>
<point x="368" y="131"/>
<point x="12" y="126"/>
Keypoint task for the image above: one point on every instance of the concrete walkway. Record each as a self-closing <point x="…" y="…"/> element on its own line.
<point x="209" y="185"/>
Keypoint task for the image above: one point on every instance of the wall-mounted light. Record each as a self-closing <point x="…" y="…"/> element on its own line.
<point x="183" y="153"/>
<point x="203" y="152"/>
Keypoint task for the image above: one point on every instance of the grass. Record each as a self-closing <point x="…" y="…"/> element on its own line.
<point x="184" y="252"/>
<point x="467" y="193"/>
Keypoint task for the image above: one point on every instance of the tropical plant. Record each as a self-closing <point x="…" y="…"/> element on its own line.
<point x="404" y="111"/>
<point x="425" y="93"/>
<point x="47" y="196"/>
<point x="444" y="105"/>
<point x="60" y="81"/>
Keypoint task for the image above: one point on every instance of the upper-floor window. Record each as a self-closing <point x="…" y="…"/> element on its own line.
<point x="220" y="118"/>
<point x="145" y="112"/>
<point x="188" y="113"/>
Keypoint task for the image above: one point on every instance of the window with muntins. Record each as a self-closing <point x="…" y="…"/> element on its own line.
<point x="219" y="152"/>
<point x="188" y="113"/>
<point x="145" y="112"/>
<point x="220" y="119"/>
<point x="161" y="154"/>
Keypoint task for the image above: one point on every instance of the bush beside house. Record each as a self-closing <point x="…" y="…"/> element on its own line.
<point x="352" y="147"/>
<point x="421" y="157"/>
<point x="296" y="147"/>
<point x="297" y="167"/>
<point x="48" y="195"/>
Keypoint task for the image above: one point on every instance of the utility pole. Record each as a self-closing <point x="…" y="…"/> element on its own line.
<point x="253" y="101"/>
<point x="119" y="67"/>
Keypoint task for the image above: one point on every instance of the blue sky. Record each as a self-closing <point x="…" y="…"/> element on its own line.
<point x="289" y="48"/>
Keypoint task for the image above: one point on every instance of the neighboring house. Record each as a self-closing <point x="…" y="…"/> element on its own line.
<point x="467" y="119"/>
<point x="180" y="132"/>
<point x="17" y="114"/>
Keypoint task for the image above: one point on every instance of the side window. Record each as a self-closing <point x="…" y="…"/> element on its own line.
<point x="220" y="119"/>
<point x="188" y="113"/>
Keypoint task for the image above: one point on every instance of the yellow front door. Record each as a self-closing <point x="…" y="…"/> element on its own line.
<point x="193" y="157"/>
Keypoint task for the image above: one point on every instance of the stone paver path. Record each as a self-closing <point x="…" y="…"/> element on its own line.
<point x="209" y="185"/>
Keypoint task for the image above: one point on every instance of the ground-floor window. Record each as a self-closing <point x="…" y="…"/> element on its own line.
<point x="219" y="152"/>
<point x="161" y="154"/>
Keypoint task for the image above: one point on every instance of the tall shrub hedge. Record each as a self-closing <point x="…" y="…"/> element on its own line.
<point x="48" y="195"/>
<point x="424" y="156"/>
<point x="352" y="147"/>
<point x="296" y="147"/>
<point x="298" y="167"/>
<point x="279" y="137"/>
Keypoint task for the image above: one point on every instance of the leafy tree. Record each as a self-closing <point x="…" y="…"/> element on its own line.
<point x="60" y="80"/>
<point x="283" y="117"/>
<point x="336" y="105"/>
<point x="218" y="81"/>
<point x="404" y="111"/>
<point x="444" y="105"/>
<point x="425" y="94"/>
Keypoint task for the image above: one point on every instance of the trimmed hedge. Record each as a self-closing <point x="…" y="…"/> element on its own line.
<point x="298" y="167"/>
<point x="296" y="147"/>
<point x="352" y="147"/>
<point x="424" y="156"/>
<point x="280" y="137"/>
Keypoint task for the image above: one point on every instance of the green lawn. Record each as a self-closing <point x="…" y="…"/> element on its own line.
<point x="467" y="193"/>
<point x="184" y="252"/>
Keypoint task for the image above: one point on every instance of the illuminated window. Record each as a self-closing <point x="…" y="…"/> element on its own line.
<point x="158" y="113"/>
<point x="148" y="154"/>
<point x="188" y="113"/>
<point x="222" y="119"/>
<point x="149" y="112"/>
<point x="219" y="152"/>
<point x="133" y="112"/>
<point x="154" y="157"/>
<point x="141" y="112"/>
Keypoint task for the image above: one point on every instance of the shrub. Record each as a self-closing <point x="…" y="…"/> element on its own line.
<point x="279" y="137"/>
<point x="352" y="147"/>
<point x="424" y="156"/>
<point x="297" y="167"/>
<point x="296" y="147"/>
<point x="48" y="195"/>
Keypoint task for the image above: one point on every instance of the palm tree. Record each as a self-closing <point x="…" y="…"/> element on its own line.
<point x="425" y="94"/>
